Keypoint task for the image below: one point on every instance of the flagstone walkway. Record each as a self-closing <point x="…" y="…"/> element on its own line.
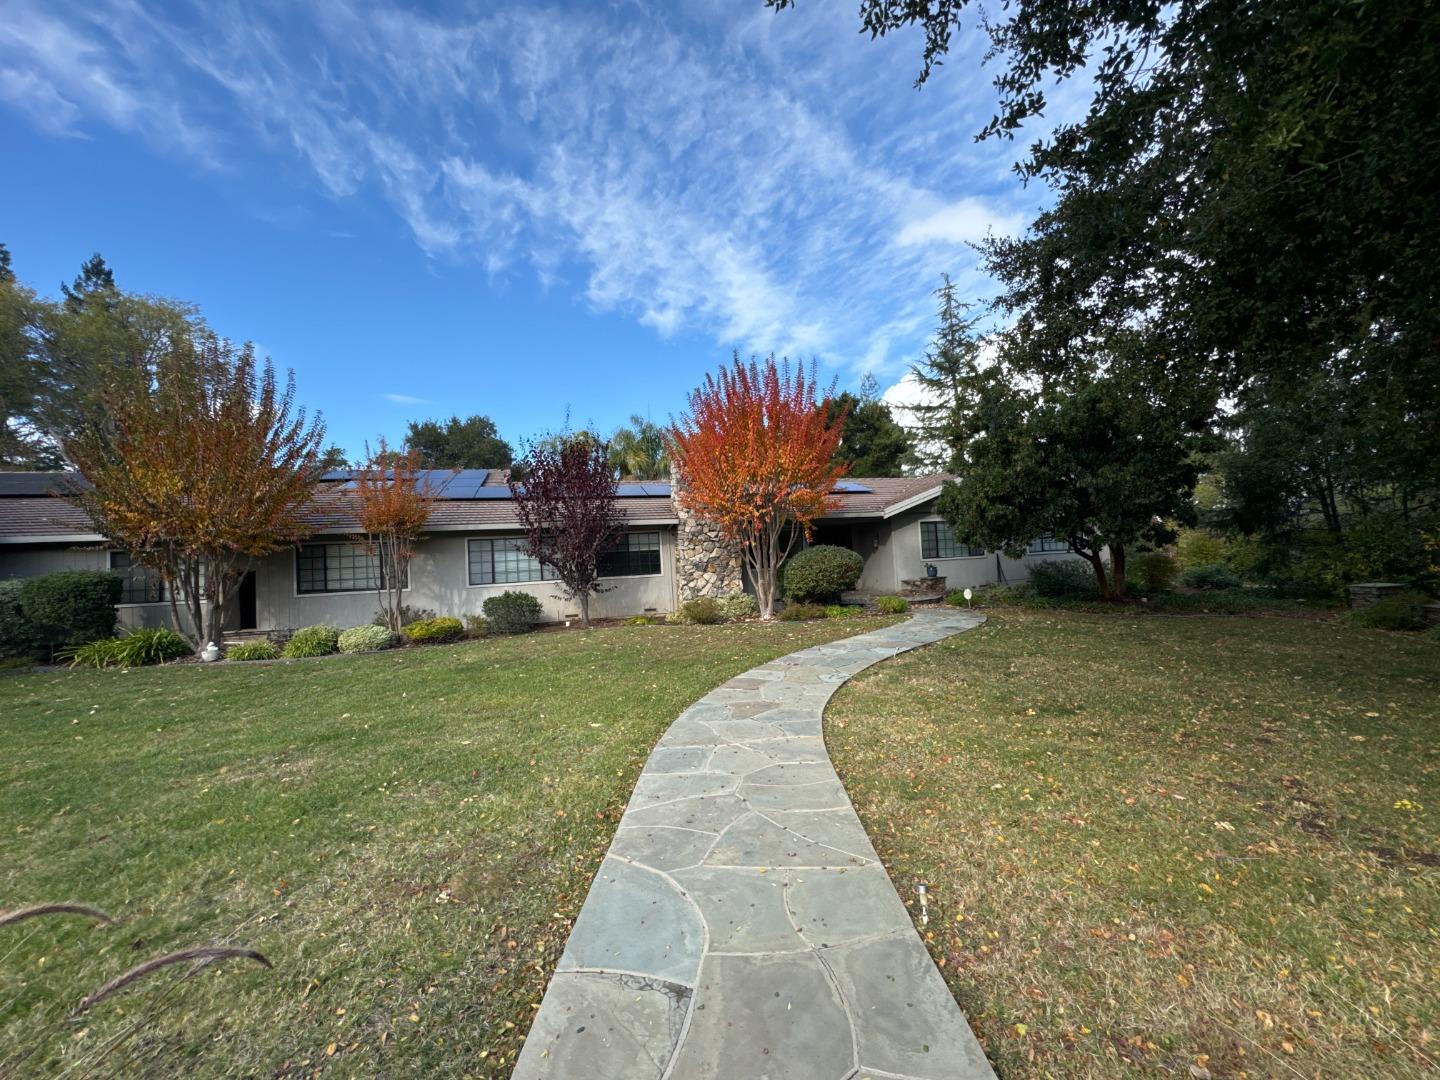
<point x="741" y="925"/>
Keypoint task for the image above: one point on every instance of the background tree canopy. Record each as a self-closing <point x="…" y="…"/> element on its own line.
<point x="1249" y="190"/>
<point x="472" y="443"/>
<point x="872" y="443"/>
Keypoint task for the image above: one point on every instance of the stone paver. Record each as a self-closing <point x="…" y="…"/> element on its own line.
<point x="740" y="925"/>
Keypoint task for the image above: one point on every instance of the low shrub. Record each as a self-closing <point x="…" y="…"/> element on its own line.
<point x="443" y="628"/>
<point x="253" y="650"/>
<point x="363" y="639"/>
<point x="408" y="615"/>
<point x="702" y="611"/>
<point x="1062" y="578"/>
<point x="152" y="645"/>
<point x="312" y="641"/>
<point x="1401" y="611"/>
<point x="820" y="573"/>
<point x="796" y="612"/>
<point x="843" y="611"/>
<point x="893" y="605"/>
<point x="643" y="620"/>
<point x="70" y="607"/>
<point x="476" y="626"/>
<point x="18" y="636"/>
<point x="738" y="605"/>
<point x="1153" y="571"/>
<point x="512" y="612"/>
<point x="1196" y="547"/>
<point x="956" y="598"/>
<point x="1210" y="576"/>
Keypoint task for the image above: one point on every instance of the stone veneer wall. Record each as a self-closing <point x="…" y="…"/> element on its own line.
<point x="704" y="564"/>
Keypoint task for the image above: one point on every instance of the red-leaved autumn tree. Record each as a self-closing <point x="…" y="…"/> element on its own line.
<point x="756" y="455"/>
<point x="394" y="498"/>
<point x="564" y="491"/>
<point x="208" y="466"/>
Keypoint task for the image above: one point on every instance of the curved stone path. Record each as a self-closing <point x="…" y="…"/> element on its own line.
<point x="741" y="925"/>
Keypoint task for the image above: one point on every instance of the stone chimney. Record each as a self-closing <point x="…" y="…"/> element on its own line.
<point x="705" y="565"/>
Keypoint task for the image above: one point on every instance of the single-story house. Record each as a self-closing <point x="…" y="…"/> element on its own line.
<point x="473" y="549"/>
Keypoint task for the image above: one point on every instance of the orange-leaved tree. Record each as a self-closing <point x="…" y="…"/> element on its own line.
<point x="204" y="468"/>
<point x="394" y="497"/>
<point x="756" y="457"/>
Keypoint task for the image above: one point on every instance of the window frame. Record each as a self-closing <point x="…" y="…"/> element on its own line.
<point x="625" y="538"/>
<point x="546" y="573"/>
<point x="943" y="529"/>
<point x="295" y="578"/>
<point x="1038" y="546"/>
<point x="162" y="590"/>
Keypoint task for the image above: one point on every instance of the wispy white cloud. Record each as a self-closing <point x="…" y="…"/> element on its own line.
<point x="773" y="182"/>
<point x="406" y="399"/>
<point x="964" y="221"/>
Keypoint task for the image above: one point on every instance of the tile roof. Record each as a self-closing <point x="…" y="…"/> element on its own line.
<point x="29" y="516"/>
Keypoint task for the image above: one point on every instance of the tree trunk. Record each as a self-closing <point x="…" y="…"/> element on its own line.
<point x="1117" y="571"/>
<point x="1098" y="565"/>
<point x="585" y="609"/>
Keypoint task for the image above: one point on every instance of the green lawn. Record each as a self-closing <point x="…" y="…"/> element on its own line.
<point x="407" y="836"/>
<point x="1169" y="846"/>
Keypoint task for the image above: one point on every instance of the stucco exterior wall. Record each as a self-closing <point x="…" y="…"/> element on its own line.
<point x="439" y="581"/>
<point x="892" y="554"/>
<point x="47" y="559"/>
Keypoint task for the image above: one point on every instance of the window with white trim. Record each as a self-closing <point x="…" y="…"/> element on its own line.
<point x="338" y="567"/>
<point x="504" y="561"/>
<point x="1046" y="543"/>
<point x="937" y="541"/>
<point x="634" y="555"/>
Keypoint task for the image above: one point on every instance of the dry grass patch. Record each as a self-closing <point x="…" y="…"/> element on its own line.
<point x="1167" y="846"/>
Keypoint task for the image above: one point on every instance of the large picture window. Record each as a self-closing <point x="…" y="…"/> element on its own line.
<point x="139" y="584"/>
<point x="937" y="541"/>
<point x="635" y="555"/>
<point x="338" y="567"/>
<point x="1047" y="543"/>
<point x="504" y="562"/>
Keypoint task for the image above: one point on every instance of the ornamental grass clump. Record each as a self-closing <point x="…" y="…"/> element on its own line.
<point x="151" y="645"/>
<point x="312" y="641"/>
<point x="364" y="639"/>
<point x="252" y="650"/>
<point x="893" y="605"/>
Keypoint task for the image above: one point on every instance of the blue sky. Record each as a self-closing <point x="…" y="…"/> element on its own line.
<point x="514" y="209"/>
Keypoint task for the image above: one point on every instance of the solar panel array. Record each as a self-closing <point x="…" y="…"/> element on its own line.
<point x="850" y="487"/>
<point x="33" y="484"/>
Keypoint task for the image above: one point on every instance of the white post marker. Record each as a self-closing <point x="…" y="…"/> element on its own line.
<point x="968" y="595"/>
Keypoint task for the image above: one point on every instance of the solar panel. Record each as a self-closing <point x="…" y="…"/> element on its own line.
<point x="850" y="487"/>
<point x="21" y="484"/>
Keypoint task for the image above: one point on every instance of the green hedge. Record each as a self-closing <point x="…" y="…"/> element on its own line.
<point x="1210" y="576"/>
<point x="18" y="636"/>
<point x="512" y="612"/>
<point x="443" y="628"/>
<point x="1063" y="577"/>
<point x="821" y="573"/>
<point x="70" y="608"/>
